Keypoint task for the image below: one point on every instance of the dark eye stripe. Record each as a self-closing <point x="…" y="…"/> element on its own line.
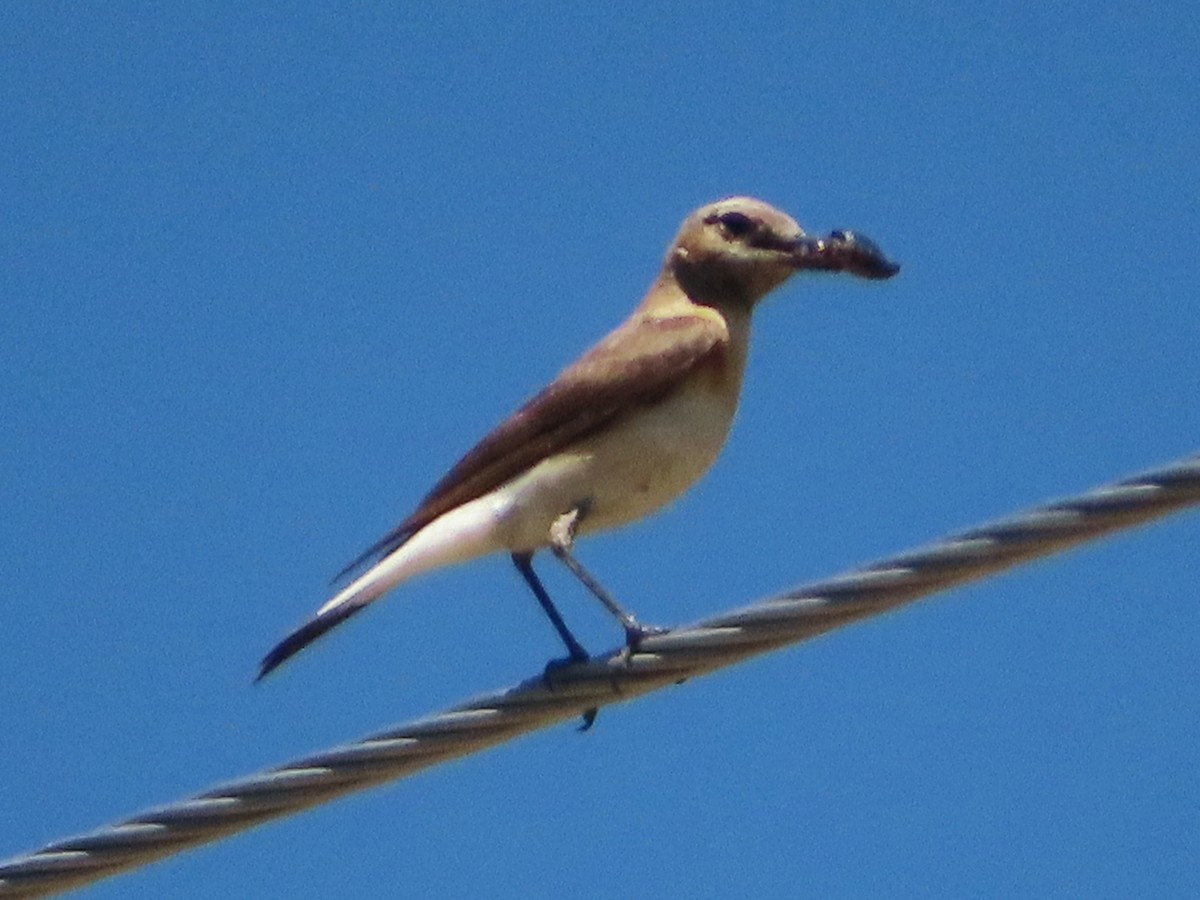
<point x="736" y="225"/>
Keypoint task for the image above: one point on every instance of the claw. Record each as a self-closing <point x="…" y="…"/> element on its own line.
<point x="589" y="715"/>
<point x="634" y="635"/>
<point x="564" y="663"/>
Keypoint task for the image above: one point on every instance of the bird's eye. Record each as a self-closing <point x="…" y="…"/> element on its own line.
<point x="736" y="224"/>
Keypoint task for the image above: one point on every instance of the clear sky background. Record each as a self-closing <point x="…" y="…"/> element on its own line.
<point x="265" y="275"/>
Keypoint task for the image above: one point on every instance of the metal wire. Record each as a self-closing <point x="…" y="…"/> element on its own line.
<point x="797" y="615"/>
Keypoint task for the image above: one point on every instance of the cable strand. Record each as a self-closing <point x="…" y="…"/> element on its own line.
<point x="660" y="660"/>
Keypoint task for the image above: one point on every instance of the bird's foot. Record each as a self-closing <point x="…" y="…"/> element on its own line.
<point x="635" y="633"/>
<point x="556" y="665"/>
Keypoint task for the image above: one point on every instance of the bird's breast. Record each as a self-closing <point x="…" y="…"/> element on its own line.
<point x="653" y="455"/>
<point x="635" y="465"/>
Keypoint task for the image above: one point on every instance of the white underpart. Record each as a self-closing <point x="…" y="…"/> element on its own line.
<point x="459" y="535"/>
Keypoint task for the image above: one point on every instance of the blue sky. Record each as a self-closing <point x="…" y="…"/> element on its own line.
<point x="266" y="274"/>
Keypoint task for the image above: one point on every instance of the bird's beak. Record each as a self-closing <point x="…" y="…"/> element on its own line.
<point x="842" y="251"/>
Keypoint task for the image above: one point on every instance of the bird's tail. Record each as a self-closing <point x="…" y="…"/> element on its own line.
<point x="303" y="636"/>
<point x="461" y="534"/>
<point x="355" y="597"/>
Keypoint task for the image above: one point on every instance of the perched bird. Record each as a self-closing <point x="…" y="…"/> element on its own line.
<point x="618" y="434"/>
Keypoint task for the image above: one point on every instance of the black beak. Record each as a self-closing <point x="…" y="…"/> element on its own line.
<point x="843" y="251"/>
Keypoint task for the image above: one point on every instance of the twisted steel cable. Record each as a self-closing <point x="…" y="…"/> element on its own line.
<point x="797" y="615"/>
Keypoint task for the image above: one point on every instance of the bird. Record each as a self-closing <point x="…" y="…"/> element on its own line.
<point x="617" y="435"/>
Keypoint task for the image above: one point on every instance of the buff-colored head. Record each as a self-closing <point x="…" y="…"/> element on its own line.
<point x="737" y="250"/>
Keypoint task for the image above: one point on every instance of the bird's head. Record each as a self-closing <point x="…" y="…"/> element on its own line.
<point x="739" y="249"/>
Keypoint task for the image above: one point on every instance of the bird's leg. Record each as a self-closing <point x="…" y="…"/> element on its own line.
<point x="524" y="564"/>
<point x="562" y="537"/>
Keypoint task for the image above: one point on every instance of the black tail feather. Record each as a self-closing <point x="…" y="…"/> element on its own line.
<point x="303" y="636"/>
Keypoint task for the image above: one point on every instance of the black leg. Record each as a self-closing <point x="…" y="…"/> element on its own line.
<point x="562" y="536"/>
<point x="633" y="628"/>
<point x="524" y="564"/>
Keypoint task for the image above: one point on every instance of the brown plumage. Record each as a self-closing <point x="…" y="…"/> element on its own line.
<point x="619" y="433"/>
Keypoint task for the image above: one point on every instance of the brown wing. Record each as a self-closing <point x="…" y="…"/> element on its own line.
<point x="638" y="364"/>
